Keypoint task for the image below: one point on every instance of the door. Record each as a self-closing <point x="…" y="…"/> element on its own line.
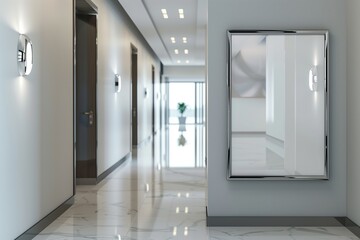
<point x="153" y="100"/>
<point x="134" y="81"/>
<point x="86" y="76"/>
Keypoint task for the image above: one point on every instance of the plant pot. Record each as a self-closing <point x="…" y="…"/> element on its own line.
<point x="182" y="128"/>
<point x="182" y="120"/>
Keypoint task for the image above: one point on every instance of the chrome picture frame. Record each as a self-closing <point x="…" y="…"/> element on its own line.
<point x="230" y="34"/>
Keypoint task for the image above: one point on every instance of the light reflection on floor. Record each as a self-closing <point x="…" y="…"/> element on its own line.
<point x="144" y="199"/>
<point x="185" y="146"/>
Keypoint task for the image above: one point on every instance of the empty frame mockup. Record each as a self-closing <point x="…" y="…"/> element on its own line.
<point x="278" y="105"/>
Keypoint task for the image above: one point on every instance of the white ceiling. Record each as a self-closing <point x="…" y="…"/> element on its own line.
<point x="147" y="16"/>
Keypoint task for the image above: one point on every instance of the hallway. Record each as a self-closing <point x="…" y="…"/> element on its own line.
<point x="179" y="182"/>
<point x="145" y="199"/>
<point x="140" y="200"/>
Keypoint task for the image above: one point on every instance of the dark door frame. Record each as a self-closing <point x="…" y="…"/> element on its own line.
<point x="134" y="97"/>
<point x="84" y="7"/>
<point x="153" y="100"/>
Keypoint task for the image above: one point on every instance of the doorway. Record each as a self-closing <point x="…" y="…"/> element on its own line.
<point x="134" y="94"/>
<point x="85" y="91"/>
<point x="153" y="100"/>
<point x="194" y="99"/>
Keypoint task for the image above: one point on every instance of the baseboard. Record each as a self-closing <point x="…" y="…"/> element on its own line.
<point x="233" y="221"/>
<point x="353" y="227"/>
<point x="112" y="168"/>
<point x="86" y="181"/>
<point x="272" y="222"/>
<point x="43" y="223"/>
<point x="94" y="181"/>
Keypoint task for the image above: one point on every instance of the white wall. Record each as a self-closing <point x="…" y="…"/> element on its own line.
<point x="281" y="198"/>
<point x="353" y="111"/>
<point x="36" y="124"/>
<point x="275" y="86"/>
<point x="115" y="34"/>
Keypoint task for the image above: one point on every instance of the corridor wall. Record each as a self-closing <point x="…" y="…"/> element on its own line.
<point x="353" y="111"/>
<point x="275" y="198"/>
<point x="36" y="123"/>
<point x="116" y="33"/>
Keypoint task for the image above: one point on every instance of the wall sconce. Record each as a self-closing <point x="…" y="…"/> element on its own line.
<point x="117" y="83"/>
<point x="313" y="79"/>
<point x="24" y="55"/>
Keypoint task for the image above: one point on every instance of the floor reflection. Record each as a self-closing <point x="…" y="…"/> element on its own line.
<point x="258" y="154"/>
<point x="159" y="194"/>
<point x="185" y="146"/>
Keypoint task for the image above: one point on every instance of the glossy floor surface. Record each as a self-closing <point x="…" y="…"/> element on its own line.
<point x="146" y="198"/>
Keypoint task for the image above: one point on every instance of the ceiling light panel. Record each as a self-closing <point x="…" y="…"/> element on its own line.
<point x="184" y="40"/>
<point x="164" y="13"/>
<point x="186" y="51"/>
<point x="176" y="51"/>
<point x="173" y="40"/>
<point x="181" y="13"/>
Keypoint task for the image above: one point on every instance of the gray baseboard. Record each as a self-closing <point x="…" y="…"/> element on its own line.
<point x="43" y="223"/>
<point x="111" y="169"/>
<point x="233" y="221"/>
<point x="86" y="181"/>
<point x="94" y="181"/>
<point x="353" y="227"/>
<point x="272" y="222"/>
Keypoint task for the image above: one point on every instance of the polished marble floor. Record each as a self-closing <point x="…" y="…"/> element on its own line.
<point x="257" y="154"/>
<point x="147" y="199"/>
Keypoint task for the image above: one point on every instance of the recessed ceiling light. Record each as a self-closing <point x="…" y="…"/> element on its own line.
<point x="164" y="12"/>
<point x="187" y="61"/>
<point x="173" y="40"/>
<point x="184" y="40"/>
<point x="181" y="13"/>
<point x="186" y="51"/>
<point x="176" y="51"/>
<point x="178" y="61"/>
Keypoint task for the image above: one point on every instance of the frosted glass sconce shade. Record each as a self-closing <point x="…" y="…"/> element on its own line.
<point x="117" y="83"/>
<point x="313" y="79"/>
<point x="25" y="55"/>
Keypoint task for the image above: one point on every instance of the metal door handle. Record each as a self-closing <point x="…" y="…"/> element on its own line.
<point x="90" y="114"/>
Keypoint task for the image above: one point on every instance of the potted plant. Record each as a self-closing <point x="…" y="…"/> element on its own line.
<point x="182" y="108"/>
